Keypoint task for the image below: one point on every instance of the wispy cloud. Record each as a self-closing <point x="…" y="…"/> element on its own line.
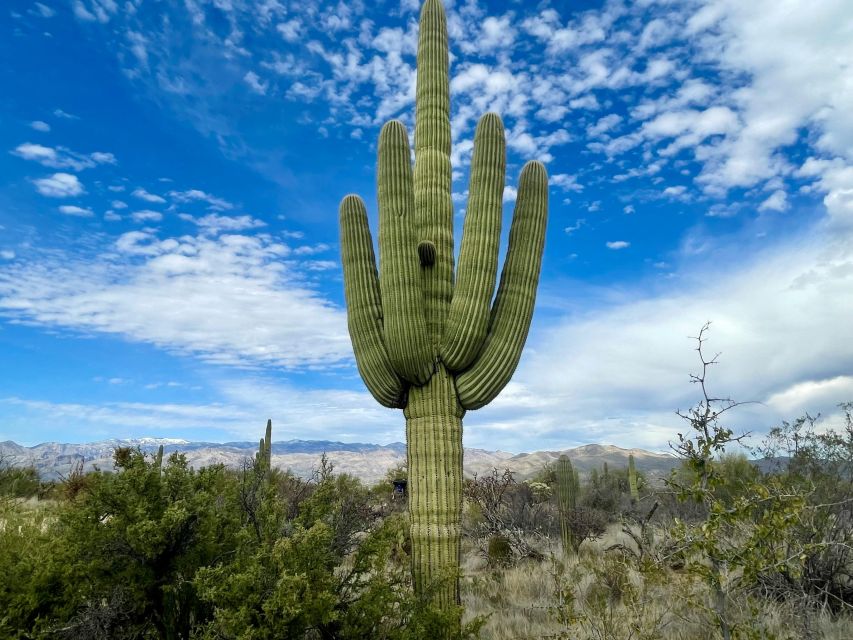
<point x="190" y="195"/>
<point x="60" y="157"/>
<point x="229" y="299"/>
<point x="73" y="210"/>
<point x="142" y="194"/>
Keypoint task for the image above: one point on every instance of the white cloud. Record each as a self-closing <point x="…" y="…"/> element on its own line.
<point x="190" y="195"/>
<point x="290" y="30"/>
<point x="566" y="182"/>
<point x="617" y="244"/>
<point x="7" y="254"/>
<point x="835" y="178"/>
<point x="776" y="318"/>
<point x="59" y="185"/>
<point x="577" y="225"/>
<point x="510" y="193"/>
<point x="496" y="33"/>
<point x="228" y="299"/>
<point x="40" y="125"/>
<point x="603" y="125"/>
<point x="59" y="113"/>
<point x="782" y="48"/>
<point x="214" y="223"/>
<point x="60" y="157"/>
<point x="255" y="84"/>
<point x="146" y="215"/>
<point x="777" y="201"/>
<point x="102" y="157"/>
<point x="111" y="216"/>
<point x="73" y="210"/>
<point x="142" y="194"/>
<point x="676" y="191"/>
<point x="94" y="10"/>
<point x="118" y="204"/>
<point x="44" y="11"/>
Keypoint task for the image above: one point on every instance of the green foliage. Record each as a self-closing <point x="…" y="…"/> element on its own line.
<point x="499" y="551"/>
<point x="748" y="525"/>
<point x="18" y="482"/>
<point x="175" y="553"/>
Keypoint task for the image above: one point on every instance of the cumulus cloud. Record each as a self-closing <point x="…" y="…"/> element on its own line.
<point x="142" y="194"/>
<point x="40" y="125"/>
<point x="73" y="210"/>
<point x="617" y="244"/>
<point x="146" y="215"/>
<point x="255" y="83"/>
<point x="776" y="201"/>
<point x="59" y="185"/>
<point x="214" y="223"/>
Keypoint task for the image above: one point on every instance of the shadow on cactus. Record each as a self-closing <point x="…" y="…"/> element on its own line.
<point x="429" y="340"/>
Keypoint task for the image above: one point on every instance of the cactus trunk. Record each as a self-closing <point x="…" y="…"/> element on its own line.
<point x="567" y="495"/>
<point x="426" y="340"/>
<point x="434" y="451"/>
<point x="632" y="480"/>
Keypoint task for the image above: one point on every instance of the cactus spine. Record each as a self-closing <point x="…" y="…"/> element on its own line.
<point x="425" y="342"/>
<point x="567" y="496"/>
<point x="632" y="480"/>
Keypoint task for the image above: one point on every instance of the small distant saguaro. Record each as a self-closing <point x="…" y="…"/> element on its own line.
<point x="425" y="341"/>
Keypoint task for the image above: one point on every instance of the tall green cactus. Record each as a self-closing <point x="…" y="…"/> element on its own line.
<point x="264" y="455"/>
<point x="568" y="485"/>
<point x="158" y="461"/>
<point x="425" y="342"/>
<point x="632" y="480"/>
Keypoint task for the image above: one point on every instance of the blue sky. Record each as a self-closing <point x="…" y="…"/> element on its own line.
<point x="170" y="174"/>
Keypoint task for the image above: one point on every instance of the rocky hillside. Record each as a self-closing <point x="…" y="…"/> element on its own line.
<point x="369" y="462"/>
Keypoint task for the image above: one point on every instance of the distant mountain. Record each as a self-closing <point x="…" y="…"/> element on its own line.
<point x="370" y="462"/>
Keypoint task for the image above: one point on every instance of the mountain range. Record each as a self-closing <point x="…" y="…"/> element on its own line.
<point x="369" y="462"/>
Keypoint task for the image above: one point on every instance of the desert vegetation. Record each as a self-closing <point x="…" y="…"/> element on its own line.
<point x="725" y="548"/>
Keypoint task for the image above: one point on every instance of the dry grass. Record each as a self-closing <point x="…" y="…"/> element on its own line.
<point x="598" y="596"/>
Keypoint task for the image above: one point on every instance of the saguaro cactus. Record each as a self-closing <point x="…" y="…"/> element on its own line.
<point x="632" y="480"/>
<point x="425" y="342"/>
<point x="158" y="461"/>
<point x="265" y="448"/>
<point x="567" y="496"/>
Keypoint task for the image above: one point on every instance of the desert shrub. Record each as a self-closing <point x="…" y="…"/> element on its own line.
<point x="585" y="524"/>
<point x="500" y="506"/>
<point x="608" y="493"/>
<point x="817" y="461"/>
<point x="499" y="552"/>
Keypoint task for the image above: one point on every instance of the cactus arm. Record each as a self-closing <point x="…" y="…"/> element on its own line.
<point x="364" y="306"/>
<point x="468" y="318"/>
<point x="406" y="338"/>
<point x="432" y="175"/>
<point x="513" y="307"/>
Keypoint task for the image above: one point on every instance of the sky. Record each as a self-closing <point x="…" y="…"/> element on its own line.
<point x="170" y="174"/>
